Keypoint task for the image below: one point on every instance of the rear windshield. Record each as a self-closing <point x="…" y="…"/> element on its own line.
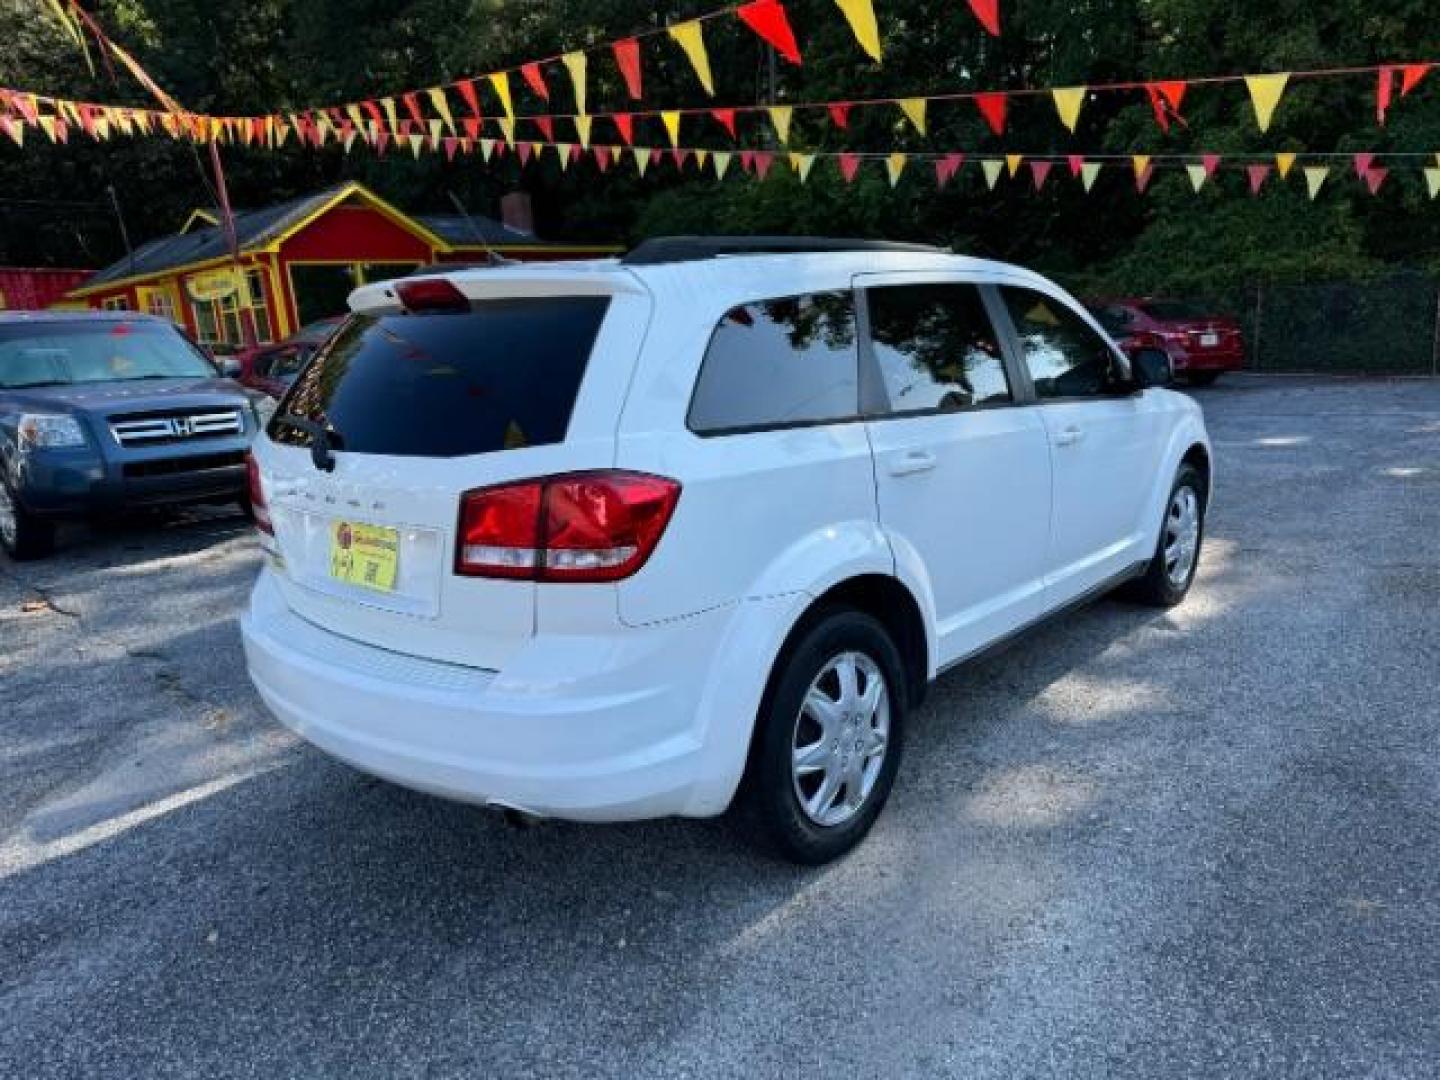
<point x="501" y="376"/>
<point x="1174" y="310"/>
<point x="62" y="353"/>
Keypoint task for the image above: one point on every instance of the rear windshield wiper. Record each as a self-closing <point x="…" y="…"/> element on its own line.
<point x="322" y="440"/>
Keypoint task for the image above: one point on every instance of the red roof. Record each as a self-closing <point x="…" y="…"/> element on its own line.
<point x="36" y="288"/>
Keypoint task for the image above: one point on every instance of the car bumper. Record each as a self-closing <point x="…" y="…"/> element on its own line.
<point x="622" y="736"/>
<point x="65" y="484"/>
<point x="1199" y="360"/>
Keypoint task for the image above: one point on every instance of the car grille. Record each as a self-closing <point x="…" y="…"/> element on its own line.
<point x="194" y="463"/>
<point x="153" y="429"/>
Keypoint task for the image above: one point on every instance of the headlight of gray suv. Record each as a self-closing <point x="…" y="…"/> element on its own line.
<point x="49" y="431"/>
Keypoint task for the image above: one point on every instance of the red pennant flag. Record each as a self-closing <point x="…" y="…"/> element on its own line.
<point x="412" y="105"/>
<point x="1258" y="174"/>
<point x="1411" y="74"/>
<point x="1383" y="92"/>
<point x="575" y="151"/>
<point x="1374" y="177"/>
<point x="726" y="119"/>
<point x="625" y="124"/>
<point x="840" y="114"/>
<point x="1076" y="163"/>
<point x="767" y="18"/>
<point x="451" y="144"/>
<point x="992" y="107"/>
<point x="472" y="127"/>
<point x="1363" y="163"/>
<point x="1142" y="178"/>
<point x="988" y="12"/>
<point x="946" y="168"/>
<point x="1165" y="99"/>
<point x="536" y="79"/>
<point x="470" y="97"/>
<point x="627" y="59"/>
<point x="1210" y="162"/>
<point x="523" y="149"/>
<point x="763" y="160"/>
<point x="546" y="125"/>
<point x="680" y="155"/>
<point x="1039" y="170"/>
<point x="382" y="140"/>
<point x="257" y="129"/>
<point x="373" y="111"/>
<point x="747" y="160"/>
<point x="849" y="166"/>
<point x="602" y="157"/>
<point x="406" y="126"/>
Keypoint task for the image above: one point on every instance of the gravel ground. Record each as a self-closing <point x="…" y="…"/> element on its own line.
<point x="1202" y="842"/>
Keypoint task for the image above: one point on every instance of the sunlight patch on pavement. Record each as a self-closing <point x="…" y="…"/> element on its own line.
<point x="1283" y="440"/>
<point x="1031" y="795"/>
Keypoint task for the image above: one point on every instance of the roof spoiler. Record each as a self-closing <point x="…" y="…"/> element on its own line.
<point x="672" y="249"/>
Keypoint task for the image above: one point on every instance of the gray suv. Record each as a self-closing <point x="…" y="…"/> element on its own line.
<point x="102" y="412"/>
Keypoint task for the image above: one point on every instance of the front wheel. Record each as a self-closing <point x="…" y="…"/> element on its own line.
<point x="1171" y="571"/>
<point x="23" y="535"/>
<point x="827" y="740"/>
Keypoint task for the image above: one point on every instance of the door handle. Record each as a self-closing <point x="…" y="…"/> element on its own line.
<point x="1069" y="436"/>
<point x="912" y="461"/>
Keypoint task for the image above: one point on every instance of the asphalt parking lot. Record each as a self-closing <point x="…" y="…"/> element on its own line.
<point x="1201" y="842"/>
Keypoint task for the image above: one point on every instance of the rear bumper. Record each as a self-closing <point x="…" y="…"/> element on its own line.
<point x="1202" y="360"/>
<point x="588" y="729"/>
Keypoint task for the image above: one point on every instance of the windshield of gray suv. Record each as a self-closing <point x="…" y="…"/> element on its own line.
<point x="65" y="352"/>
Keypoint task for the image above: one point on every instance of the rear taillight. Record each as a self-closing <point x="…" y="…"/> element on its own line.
<point x="589" y="526"/>
<point x="258" y="507"/>
<point x="431" y="294"/>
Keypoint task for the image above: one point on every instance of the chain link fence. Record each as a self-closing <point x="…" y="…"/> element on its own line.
<point x="1385" y="326"/>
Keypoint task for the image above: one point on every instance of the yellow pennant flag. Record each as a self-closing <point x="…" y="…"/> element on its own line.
<point x="582" y="129"/>
<point x="1068" y="100"/>
<point x="722" y="163"/>
<point x="435" y="128"/>
<point x="1265" y="91"/>
<point x="16" y="129"/>
<point x="780" y="117"/>
<point x="507" y="128"/>
<point x="1432" y="181"/>
<point x="642" y="158"/>
<point x="563" y="149"/>
<point x="701" y="157"/>
<point x="671" y="119"/>
<point x="356" y="116"/>
<point x="1140" y="163"/>
<point x="388" y="104"/>
<point x="282" y="132"/>
<point x="442" y="106"/>
<point x="500" y="83"/>
<point x="416" y="141"/>
<point x="691" y="37"/>
<point x="1197" y="175"/>
<point x="1012" y="163"/>
<point x="47" y="125"/>
<point x="895" y="165"/>
<point x="575" y="64"/>
<point x="487" y="147"/>
<point x="1088" y="172"/>
<point x="1284" y="162"/>
<point x="1315" y="178"/>
<point x="914" y="110"/>
<point x="802" y="164"/>
<point x="350" y="139"/>
<point x="615" y="154"/>
<point x="991" y="168"/>
<point x="860" y="14"/>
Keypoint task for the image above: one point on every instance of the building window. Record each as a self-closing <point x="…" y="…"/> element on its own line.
<point x="217" y="322"/>
<point x="116" y="303"/>
<point x="259" y="307"/>
<point x="159" y="302"/>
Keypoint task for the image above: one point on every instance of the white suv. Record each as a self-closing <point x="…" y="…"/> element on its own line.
<point x="643" y="537"/>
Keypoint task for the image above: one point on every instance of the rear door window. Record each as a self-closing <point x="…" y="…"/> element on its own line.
<point x="785" y="361"/>
<point x="935" y="348"/>
<point x="501" y="376"/>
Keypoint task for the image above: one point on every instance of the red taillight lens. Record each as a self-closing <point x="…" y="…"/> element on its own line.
<point x="258" y="506"/>
<point x="594" y="526"/>
<point x="431" y="294"/>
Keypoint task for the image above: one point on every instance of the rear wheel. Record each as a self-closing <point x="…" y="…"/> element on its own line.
<point x="828" y="739"/>
<point x="1177" y="553"/>
<point x="23" y="535"/>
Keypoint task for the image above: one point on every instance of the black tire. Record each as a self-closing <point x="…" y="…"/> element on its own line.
<point x="768" y="803"/>
<point x="32" y="537"/>
<point x="1202" y="378"/>
<point x="1156" y="587"/>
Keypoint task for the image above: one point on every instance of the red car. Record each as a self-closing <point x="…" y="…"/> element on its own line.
<point x="1200" y="345"/>
<point x="272" y="368"/>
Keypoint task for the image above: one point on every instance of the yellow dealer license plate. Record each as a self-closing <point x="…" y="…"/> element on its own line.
<point x="366" y="555"/>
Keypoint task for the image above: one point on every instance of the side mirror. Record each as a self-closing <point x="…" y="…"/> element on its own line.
<point x="1151" y="367"/>
<point x="228" y="366"/>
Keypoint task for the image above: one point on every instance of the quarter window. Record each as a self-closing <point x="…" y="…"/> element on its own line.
<point x="935" y="348"/>
<point x="789" y="360"/>
<point x="1065" y="356"/>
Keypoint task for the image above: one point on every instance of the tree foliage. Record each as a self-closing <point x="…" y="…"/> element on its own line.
<point x="287" y="54"/>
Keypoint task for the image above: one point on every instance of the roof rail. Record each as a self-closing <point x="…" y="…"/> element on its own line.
<point x="669" y="249"/>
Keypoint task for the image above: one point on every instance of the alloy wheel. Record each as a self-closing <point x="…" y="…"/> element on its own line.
<point x="840" y="739"/>
<point x="1182" y="535"/>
